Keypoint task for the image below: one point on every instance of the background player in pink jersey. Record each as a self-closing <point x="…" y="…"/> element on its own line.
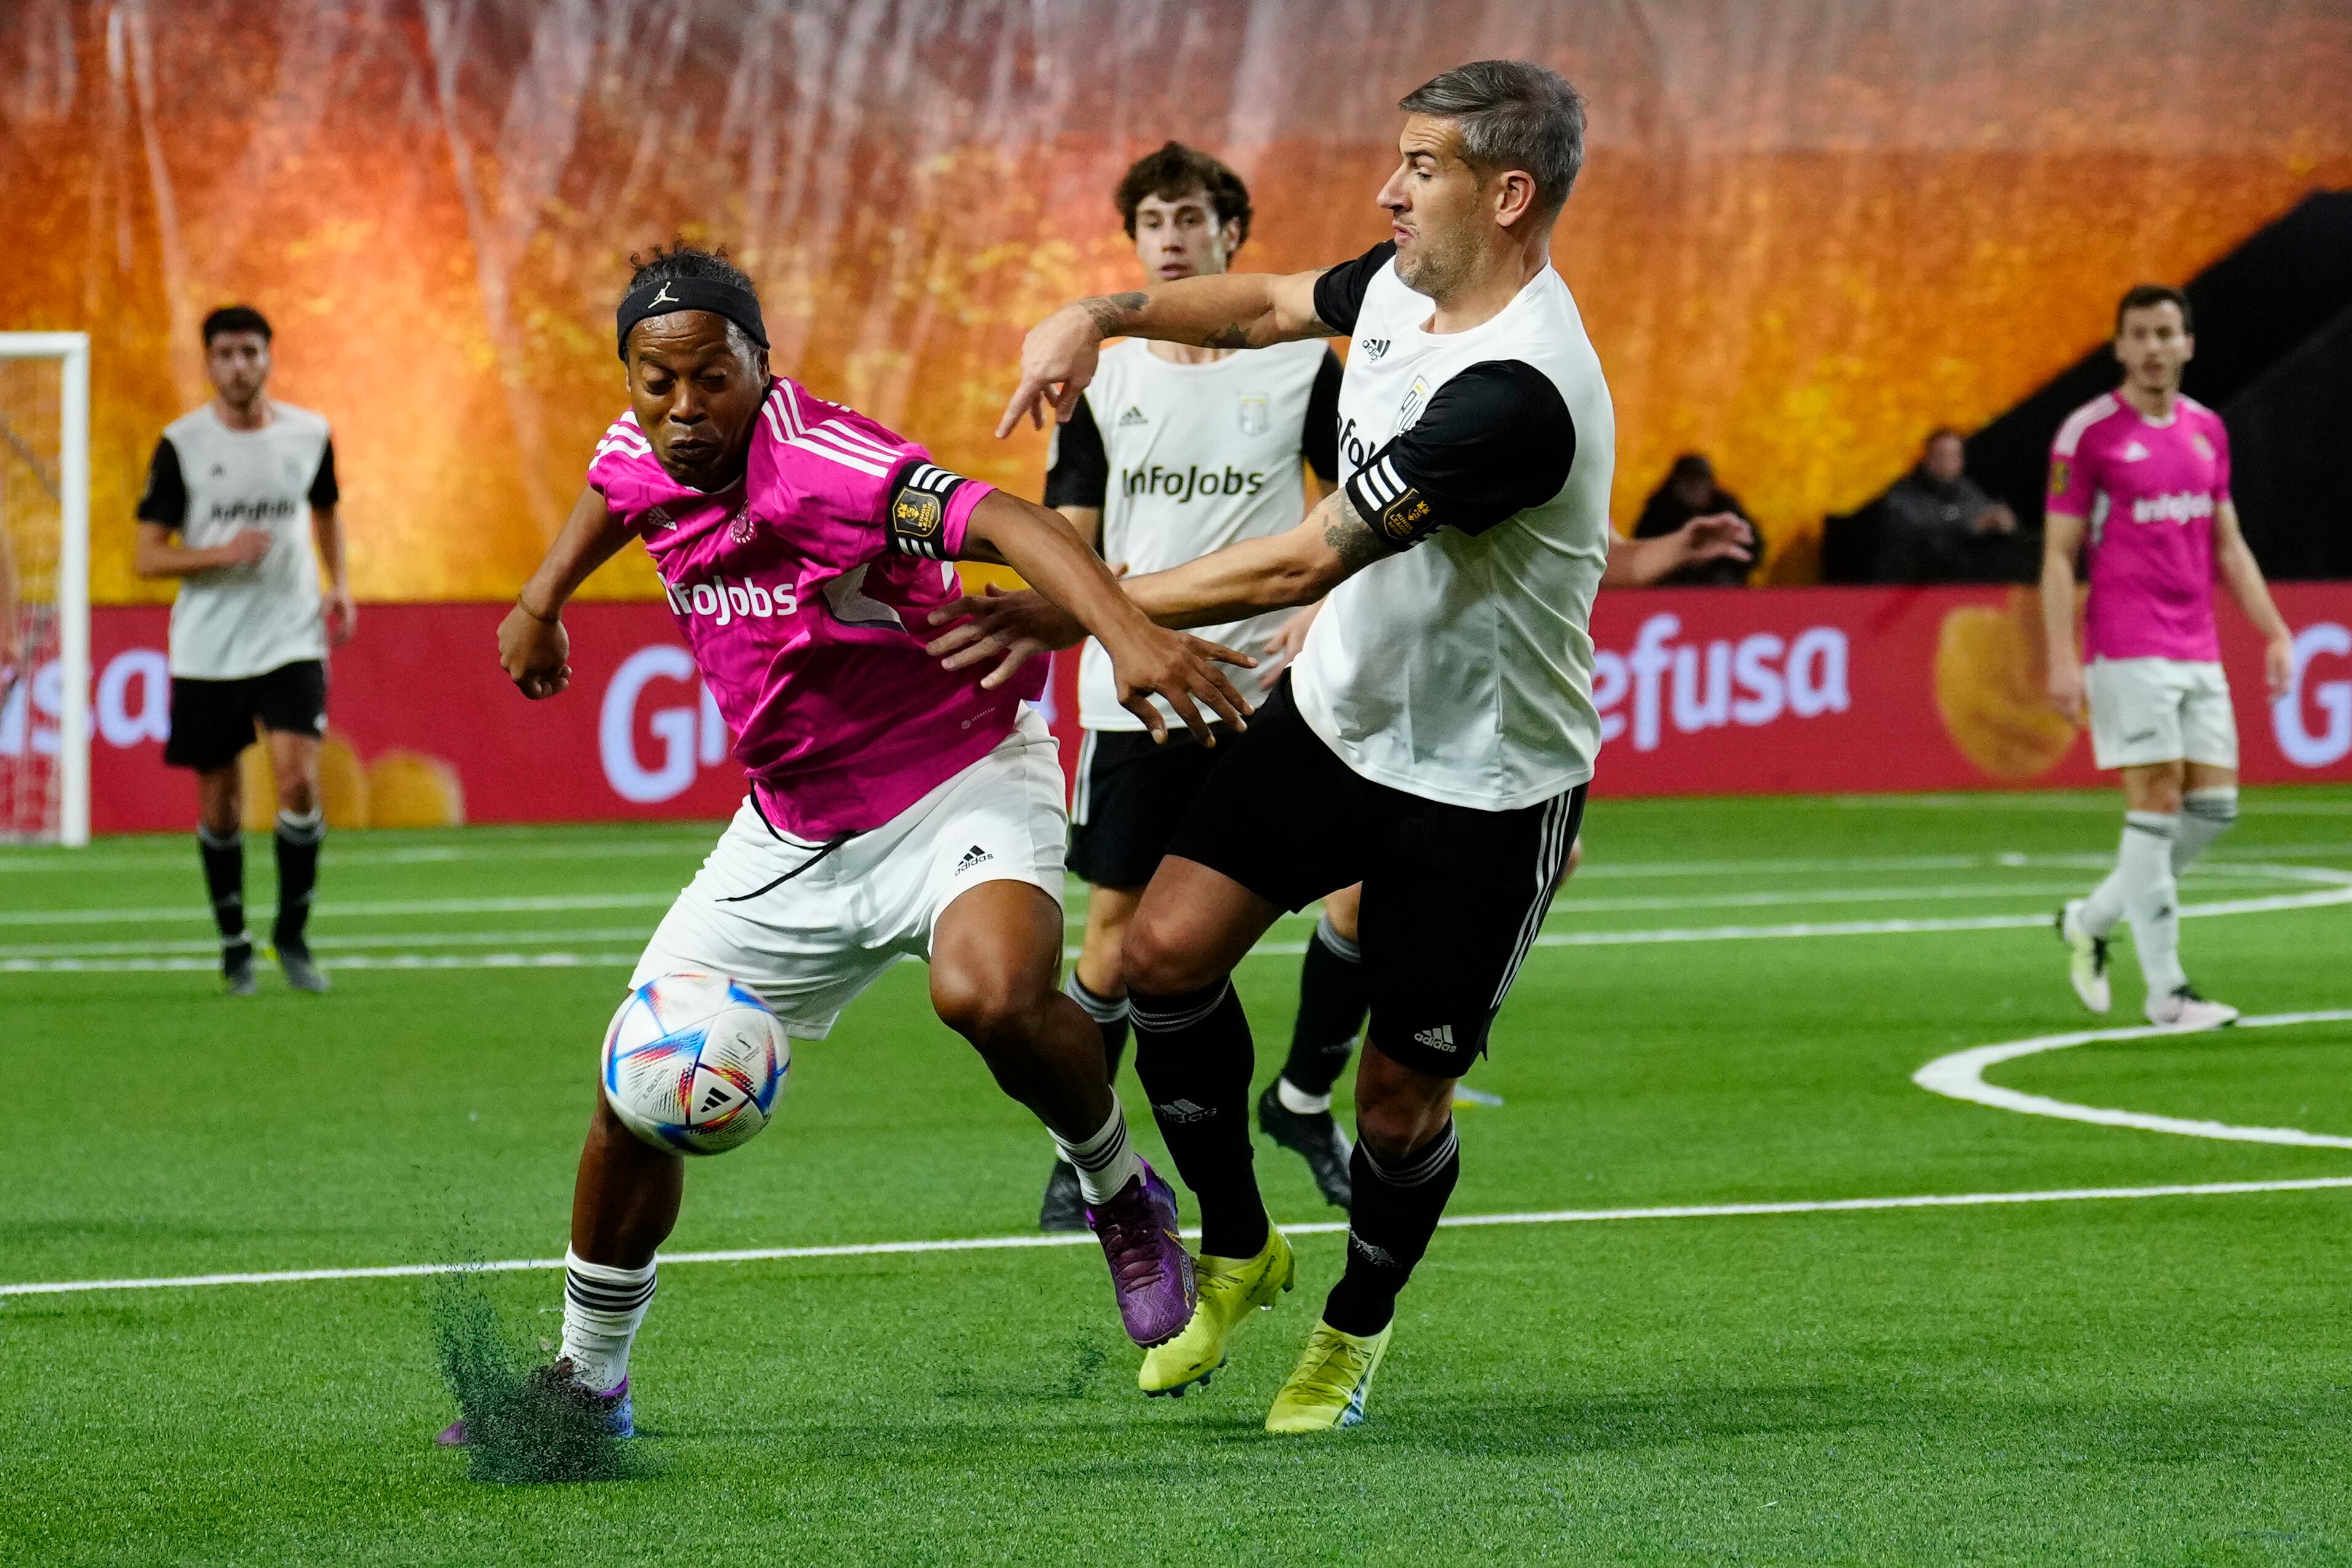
<point x="896" y="809"/>
<point x="2139" y="482"/>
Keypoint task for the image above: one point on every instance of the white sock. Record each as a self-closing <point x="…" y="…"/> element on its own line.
<point x="1105" y="1161"/>
<point x="601" y="1309"/>
<point x="1298" y="1100"/>
<point x="2144" y="864"/>
<point x="2205" y="815"/>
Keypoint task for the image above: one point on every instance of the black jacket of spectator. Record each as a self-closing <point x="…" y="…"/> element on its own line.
<point x="1928" y="532"/>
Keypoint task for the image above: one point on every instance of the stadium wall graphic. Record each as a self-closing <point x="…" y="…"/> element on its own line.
<point x="1808" y="230"/>
<point x="1701" y="692"/>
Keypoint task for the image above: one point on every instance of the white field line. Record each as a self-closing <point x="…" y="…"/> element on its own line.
<point x="2336" y="893"/>
<point x="2091" y="803"/>
<point x="2222" y="873"/>
<point x="176" y="857"/>
<point x="1315" y="1228"/>
<point x="549" y="904"/>
<point x="1960" y="1076"/>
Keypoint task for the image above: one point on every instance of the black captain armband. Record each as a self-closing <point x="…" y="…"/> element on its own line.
<point x="917" y="518"/>
<point x="1398" y="512"/>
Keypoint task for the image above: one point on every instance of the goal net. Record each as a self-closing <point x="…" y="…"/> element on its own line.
<point x="45" y="678"/>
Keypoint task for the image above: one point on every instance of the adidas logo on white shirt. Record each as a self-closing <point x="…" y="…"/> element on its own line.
<point x="972" y="857"/>
<point x="1133" y="416"/>
<point x="1438" y="1039"/>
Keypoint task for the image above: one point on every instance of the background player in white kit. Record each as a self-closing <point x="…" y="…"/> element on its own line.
<point x="247" y="482"/>
<point x="1173" y="451"/>
<point x="2140" y="478"/>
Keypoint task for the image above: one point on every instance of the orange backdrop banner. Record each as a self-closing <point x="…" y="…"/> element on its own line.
<point x="1806" y="232"/>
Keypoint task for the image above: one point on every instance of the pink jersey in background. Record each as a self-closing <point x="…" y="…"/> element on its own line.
<point x="803" y="592"/>
<point x="2150" y="493"/>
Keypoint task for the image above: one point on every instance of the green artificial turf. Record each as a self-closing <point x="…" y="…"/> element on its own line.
<point x="2160" y="1379"/>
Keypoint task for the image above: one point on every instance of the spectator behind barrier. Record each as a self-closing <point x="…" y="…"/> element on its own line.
<point x="1690" y="491"/>
<point x="1938" y="525"/>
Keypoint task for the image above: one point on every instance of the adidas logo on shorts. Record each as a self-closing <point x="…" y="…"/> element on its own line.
<point x="1184" y="1111"/>
<point x="972" y="857"/>
<point x="1438" y="1039"/>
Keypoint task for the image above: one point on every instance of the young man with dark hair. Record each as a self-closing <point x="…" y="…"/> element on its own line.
<point x="895" y="809"/>
<point x="1173" y="451"/>
<point x="1432" y="740"/>
<point x="247" y="483"/>
<point x="2139" y="482"/>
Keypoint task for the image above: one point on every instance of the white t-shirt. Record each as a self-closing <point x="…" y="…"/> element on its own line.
<point x="1187" y="459"/>
<point x="1461" y="669"/>
<point x="207" y="483"/>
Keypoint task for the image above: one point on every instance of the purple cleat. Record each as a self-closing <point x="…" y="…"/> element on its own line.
<point x="1149" y="1269"/>
<point x="556" y="1381"/>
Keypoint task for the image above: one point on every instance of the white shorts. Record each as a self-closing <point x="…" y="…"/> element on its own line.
<point x="2160" y="710"/>
<point x="810" y="945"/>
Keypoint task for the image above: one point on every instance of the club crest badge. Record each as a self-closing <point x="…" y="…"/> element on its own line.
<point x="1256" y="418"/>
<point x="740" y="529"/>
<point x="1414" y="400"/>
<point x="2204" y="447"/>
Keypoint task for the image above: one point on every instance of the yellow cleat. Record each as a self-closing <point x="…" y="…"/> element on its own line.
<point x="1229" y="1288"/>
<point x="1328" y="1388"/>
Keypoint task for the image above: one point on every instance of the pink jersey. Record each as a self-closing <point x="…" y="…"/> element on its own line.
<point x="803" y="590"/>
<point x="2150" y="493"/>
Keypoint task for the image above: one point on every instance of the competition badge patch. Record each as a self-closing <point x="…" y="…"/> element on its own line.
<point x="2060" y="471"/>
<point x="1257" y="420"/>
<point x="1405" y="519"/>
<point x="2204" y="447"/>
<point x="916" y="515"/>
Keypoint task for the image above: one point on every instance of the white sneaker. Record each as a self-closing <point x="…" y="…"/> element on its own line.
<point x="2185" y="1009"/>
<point x="2086" y="961"/>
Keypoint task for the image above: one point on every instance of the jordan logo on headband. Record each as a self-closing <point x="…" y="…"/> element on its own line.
<point x="663" y="297"/>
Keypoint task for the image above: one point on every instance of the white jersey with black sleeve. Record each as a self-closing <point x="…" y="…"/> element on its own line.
<point x="1460" y="669"/>
<point x="208" y="483"/>
<point x="1186" y="459"/>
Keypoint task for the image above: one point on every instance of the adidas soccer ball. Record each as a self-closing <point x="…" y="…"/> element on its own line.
<point x="694" y="1062"/>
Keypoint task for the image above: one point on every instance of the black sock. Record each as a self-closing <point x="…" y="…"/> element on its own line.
<point x="297" y="874"/>
<point x="1109" y="1014"/>
<point x="1331" y="1008"/>
<point x="1388" y="1226"/>
<point x="223" y="861"/>
<point x="1192" y="1054"/>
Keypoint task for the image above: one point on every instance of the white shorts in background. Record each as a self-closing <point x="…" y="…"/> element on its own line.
<point x="810" y="945"/>
<point x="2159" y="710"/>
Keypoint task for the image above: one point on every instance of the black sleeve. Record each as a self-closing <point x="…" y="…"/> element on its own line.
<point x="1494" y="440"/>
<point x="1339" y="293"/>
<point x="324" y="491"/>
<point x="1320" y="440"/>
<point x="1077" y="473"/>
<point x="165" y="499"/>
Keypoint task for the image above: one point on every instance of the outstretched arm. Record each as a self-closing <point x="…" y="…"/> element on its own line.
<point x="1228" y="311"/>
<point x="2235" y="563"/>
<point x="534" y="647"/>
<point x="1638" y="564"/>
<point x="1073" y="580"/>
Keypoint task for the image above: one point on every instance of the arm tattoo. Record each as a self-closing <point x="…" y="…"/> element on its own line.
<point x="1351" y="538"/>
<point x="1109" y="312"/>
<point x="1234" y="335"/>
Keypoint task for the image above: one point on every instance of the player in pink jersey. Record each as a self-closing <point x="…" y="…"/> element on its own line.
<point x="2139" y="482"/>
<point x="896" y="807"/>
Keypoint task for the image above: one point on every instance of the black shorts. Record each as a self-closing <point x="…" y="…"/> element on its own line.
<point x="1132" y="796"/>
<point x="212" y="721"/>
<point x="1453" y="896"/>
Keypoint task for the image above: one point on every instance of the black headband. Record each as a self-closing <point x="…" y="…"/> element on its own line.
<point x="672" y="294"/>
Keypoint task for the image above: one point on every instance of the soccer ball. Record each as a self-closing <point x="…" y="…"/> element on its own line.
<point x="693" y="1063"/>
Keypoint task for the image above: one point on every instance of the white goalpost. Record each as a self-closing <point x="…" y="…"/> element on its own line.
<point x="45" y="710"/>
